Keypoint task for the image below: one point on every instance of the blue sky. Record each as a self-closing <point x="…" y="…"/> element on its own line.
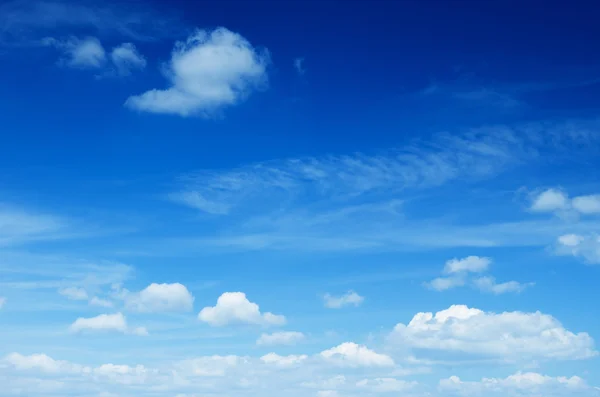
<point x="323" y="199"/>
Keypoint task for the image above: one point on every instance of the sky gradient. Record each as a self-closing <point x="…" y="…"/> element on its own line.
<point x="329" y="199"/>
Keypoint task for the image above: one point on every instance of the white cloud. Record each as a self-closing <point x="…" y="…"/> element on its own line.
<point x="474" y="264"/>
<point x="43" y="363"/>
<point x="123" y="374"/>
<point x="161" y="298"/>
<point x="385" y="385"/>
<point x="337" y="302"/>
<point x="446" y="283"/>
<point x="519" y="384"/>
<point x="234" y="307"/>
<point x="459" y="270"/>
<point x="80" y="53"/>
<point x="106" y="322"/>
<point x="74" y="293"/>
<point x="354" y="355"/>
<point x="587" y="204"/>
<point x="126" y="58"/>
<point x="280" y="338"/>
<point x="557" y="201"/>
<point x="550" y="200"/>
<point x="508" y="335"/>
<point x="283" y="361"/>
<point x="488" y="284"/>
<point x="586" y="247"/>
<point x="2" y="302"/>
<point x="95" y="301"/>
<point x="299" y="66"/>
<point x="208" y="72"/>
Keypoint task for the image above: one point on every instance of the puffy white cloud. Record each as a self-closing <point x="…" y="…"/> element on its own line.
<point x="106" y="322"/>
<point x="519" y="384"/>
<point x="280" y="338"/>
<point x="126" y="58"/>
<point x="337" y="302"/>
<point x="459" y="274"/>
<point x="585" y="247"/>
<point x="508" y="335"/>
<point x="488" y="284"/>
<point x="161" y="298"/>
<point x="209" y="71"/>
<point x="235" y="308"/>
<point x="558" y="202"/>
<point x="385" y="385"/>
<point x="283" y="361"/>
<point x="587" y="204"/>
<point x="473" y="264"/>
<point x="550" y="200"/>
<point x="74" y="293"/>
<point x="354" y="355"/>
<point x="80" y="53"/>
<point x="42" y="363"/>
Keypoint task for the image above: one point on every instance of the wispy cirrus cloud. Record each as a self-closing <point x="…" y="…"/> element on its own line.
<point x="357" y="202"/>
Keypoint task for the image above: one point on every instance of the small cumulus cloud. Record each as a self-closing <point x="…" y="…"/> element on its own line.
<point x="235" y="308"/>
<point x="160" y="298"/>
<point x="127" y="58"/>
<point x="106" y="322"/>
<point x="337" y="302"/>
<point x="458" y="274"/>
<point x="211" y="70"/>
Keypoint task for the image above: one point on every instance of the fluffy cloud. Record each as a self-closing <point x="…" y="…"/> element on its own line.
<point x="42" y="363"/>
<point x="80" y="53"/>
<point x="508" y="335"/>
<point x="585" y="247"/>
<point x="458" y="271"/>
<point x="74" y="293"/>
<point x="519" y="384"/>
<point x="354" y="355"/>
<point x="234" y="307"/>
<point x="473" y="264"/>
<point x="337" y="302"/>
<point x="587" y="204"/>
<point x="209" y="71"/>
<point x="280" y="338"/>
<point x="126" y="58"/>
<point x="558" y="201"/>
<point x="550" y="200"/>
<point x="106" y="322"/>
<point x="283" y="361"/>
<point x="161" y="298"/>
